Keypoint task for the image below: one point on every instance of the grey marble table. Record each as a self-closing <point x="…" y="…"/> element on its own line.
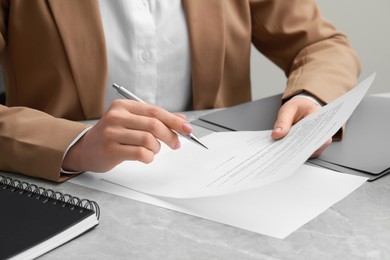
<point x="358" y="227"/>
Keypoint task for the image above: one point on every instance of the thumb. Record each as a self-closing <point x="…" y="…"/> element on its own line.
<point x="280" y="130"/>
<point x="283" y="122"/>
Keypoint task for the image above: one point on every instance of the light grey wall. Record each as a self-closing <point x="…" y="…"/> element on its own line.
<point x="365" y="22"/>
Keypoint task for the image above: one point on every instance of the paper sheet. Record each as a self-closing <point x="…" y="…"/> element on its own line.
<point x="304" y="195"/>
<point x="237" y="161"/>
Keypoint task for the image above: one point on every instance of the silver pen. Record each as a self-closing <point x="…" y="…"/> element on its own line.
<point x="127" y="94"/>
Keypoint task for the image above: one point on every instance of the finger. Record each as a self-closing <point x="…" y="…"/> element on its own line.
<point x="181" y="116"/>
<point x="171" y="120"/>
<point x="135" y="153"/>
<point x="138" y="138"/>
<point x="153" y="126"/>
<point x="284" y="121"/>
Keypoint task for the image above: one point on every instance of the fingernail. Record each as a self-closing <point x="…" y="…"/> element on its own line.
<point x="187" y="127"/>
<point x="277" y="130"/>
<point x="178" y="145"/>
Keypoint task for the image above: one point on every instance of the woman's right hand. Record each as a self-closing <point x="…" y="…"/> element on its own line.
<point x="129" y="130"/>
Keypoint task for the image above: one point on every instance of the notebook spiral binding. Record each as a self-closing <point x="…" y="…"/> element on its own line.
<point x="48" y="195"/>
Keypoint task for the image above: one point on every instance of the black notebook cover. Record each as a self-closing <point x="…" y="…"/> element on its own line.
<point x="30" y="215"/>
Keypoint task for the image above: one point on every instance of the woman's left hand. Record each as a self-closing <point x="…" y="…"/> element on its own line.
<point x="290" y="113"/>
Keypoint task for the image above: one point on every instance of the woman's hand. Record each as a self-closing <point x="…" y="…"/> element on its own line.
<point x="290" y="113"/>
<point x="129" y="130"/>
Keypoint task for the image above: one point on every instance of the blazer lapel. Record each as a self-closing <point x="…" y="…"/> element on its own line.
<point x="205" y="19"/>
<point x="80" y="26"/>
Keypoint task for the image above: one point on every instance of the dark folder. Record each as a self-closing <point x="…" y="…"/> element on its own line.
<point x="256" y="115"/>
<point x="363" y="150"/>
<point x="34" y="221"/>
<point x="366" y="141"/>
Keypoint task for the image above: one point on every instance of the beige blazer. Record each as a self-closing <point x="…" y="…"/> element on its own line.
<point x="54" y="57"/>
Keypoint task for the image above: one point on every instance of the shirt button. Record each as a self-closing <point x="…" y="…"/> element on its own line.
<point x="146" y="55"/>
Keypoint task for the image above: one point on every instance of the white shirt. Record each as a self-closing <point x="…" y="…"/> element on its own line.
<point x="148" y="51"/>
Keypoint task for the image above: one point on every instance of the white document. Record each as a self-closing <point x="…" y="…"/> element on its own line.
<point x="237" y="161"/>
<point x="275" y="210"/>
<point x="246" y="180"/>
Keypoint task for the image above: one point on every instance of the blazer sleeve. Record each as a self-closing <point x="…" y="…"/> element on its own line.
<point x="316" y="58"/>
<point x="32" y="142"/>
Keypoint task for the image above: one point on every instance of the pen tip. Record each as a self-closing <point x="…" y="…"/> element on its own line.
<point x="203" y="145"/>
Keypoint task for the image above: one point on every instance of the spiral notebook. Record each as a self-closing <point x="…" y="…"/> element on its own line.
<point x="34" y="220"/>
